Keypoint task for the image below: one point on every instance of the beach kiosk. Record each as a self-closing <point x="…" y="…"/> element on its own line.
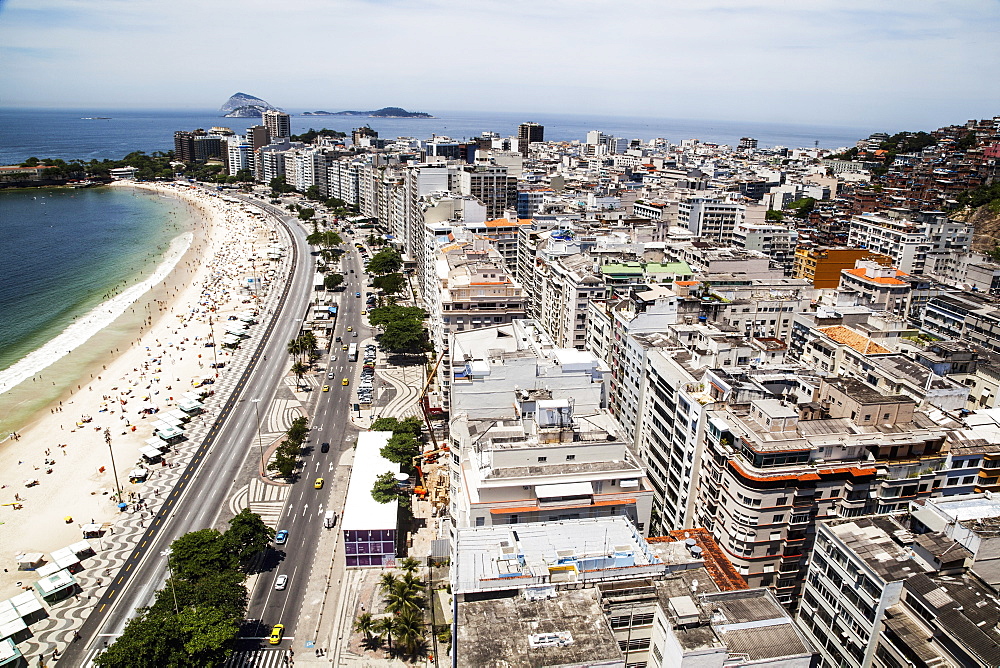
<point x="92" y="530"/>
<point x="28" y="607"/>
<point x="369" y="527"/>
<point x="82" y="549"/>
<point x="191" y="407"/>
<point x="138" y="475"/>
<point x="168" y="433"/>
<point x="151" y="454"/>
<point x="56" y="587"/>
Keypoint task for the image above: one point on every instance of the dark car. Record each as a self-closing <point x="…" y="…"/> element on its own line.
<point x="325" y="447"/>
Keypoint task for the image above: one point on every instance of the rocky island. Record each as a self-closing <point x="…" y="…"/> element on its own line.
<point x="384" y="112"/>
<point x="242" y="105"/>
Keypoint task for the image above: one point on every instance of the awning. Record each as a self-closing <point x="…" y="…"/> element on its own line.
<point x="190" y="406"/>
<point x="150" y="452"/>
<point x="168" y="432"/>
<point x="564" y="489"/>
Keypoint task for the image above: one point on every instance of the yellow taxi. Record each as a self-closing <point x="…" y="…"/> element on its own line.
<point x="350" y="329"/>
<point x="343" y="347"/>
<point x="276" y="633"/>
<point x="318" y="484"/>
<point x="345" y="382"/>
<point x="364" y="313"/>
<point x="326" y="388"/>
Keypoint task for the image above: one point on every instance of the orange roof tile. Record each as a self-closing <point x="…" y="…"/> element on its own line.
<point x="887" y="280"/>
<point x="857" y="341"/>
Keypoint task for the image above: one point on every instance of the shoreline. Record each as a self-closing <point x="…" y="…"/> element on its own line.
<point x="23" y="403"/>
<point x="66" y="450"/>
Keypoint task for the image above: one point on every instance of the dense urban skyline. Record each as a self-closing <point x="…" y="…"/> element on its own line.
<point x="920" y="65"/>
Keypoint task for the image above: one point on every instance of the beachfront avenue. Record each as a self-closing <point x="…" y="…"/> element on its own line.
<point x="221" y="463"/>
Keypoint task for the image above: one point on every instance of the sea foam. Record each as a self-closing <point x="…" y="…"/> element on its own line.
<point x="92" y="322"/>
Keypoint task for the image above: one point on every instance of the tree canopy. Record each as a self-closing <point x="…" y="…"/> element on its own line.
<point x="386" y="488"/>
<point x="386" y="261"/>
<point x="247" y="535"/>
<point x="333" y="281"/>
<point x="310" y="135"/>
<point x="401" y="449"/>
<point x="194" y="620"/>
<point x="390" y="283"/>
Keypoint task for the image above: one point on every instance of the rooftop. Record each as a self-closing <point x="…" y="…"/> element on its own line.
<point x="361" y="511"/>
<point x="880" y="542"/>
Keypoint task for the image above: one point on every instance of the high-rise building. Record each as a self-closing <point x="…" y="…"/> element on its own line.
<point x="747" y="143"/>
<point x="278" y="123"/>
<point x="184" y="146"/>
<point x="257" y="136"/>
<point x="527" y="133"/>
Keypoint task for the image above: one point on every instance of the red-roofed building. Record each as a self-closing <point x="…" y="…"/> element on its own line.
<point x="881" y="288"/>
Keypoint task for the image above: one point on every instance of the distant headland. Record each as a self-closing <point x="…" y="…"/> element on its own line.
<point x="243" y="105"/>
<point x="384" y="112"/>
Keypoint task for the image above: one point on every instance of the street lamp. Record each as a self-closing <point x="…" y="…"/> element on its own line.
<point x="260" y="440"/>
<point x="114" y="469"/>
<point x="170" y="569"/>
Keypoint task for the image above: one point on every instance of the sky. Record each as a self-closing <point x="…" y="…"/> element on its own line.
<point x="918" y="64"/>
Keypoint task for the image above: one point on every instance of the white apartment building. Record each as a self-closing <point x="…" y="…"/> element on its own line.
<point x="912" y="244"/>
<point x="238" y="155"/>
<point x="564" y="287"/>
<point x="710" y="219"/>
<point x="775" y="241"/>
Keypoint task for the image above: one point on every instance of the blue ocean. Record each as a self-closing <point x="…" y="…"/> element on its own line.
<point x="77" y="134"/>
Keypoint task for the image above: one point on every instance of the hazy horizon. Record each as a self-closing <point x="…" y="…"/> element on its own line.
<point x="849" y="63"/>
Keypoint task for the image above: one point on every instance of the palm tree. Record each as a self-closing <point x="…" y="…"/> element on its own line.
<point x="365" y="624"/>
<point x="409" y="565"/>
<point x="299" y="369"/>
<point x="405" y="595"/>
<point x="308" y="342"/>
<point x="387" y="582"/>
<point x="294" y="347"/>
<point x="383" y="626"/>
<point x="408" y="628"/>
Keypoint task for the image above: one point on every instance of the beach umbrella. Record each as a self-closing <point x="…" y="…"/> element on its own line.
<point x="122" y="506"/>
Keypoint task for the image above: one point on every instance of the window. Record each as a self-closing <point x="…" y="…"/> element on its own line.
<point x="570" y="458"/>
<point x="543" y="459"/>
<point x="778" y="518"/>
<point x="480" y="521"/>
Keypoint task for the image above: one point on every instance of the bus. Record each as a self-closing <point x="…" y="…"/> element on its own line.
<point x="352" y="353"/>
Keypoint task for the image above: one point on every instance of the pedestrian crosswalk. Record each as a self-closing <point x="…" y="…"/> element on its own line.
<point x="259" y="658"/>
<point x="267" y="501"/>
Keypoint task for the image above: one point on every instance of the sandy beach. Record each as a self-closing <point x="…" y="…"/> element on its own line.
<point x="64" y="448"/>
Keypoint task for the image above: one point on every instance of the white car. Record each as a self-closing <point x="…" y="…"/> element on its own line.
<point x="281" y="582"/>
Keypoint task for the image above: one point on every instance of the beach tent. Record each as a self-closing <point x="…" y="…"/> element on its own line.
<point x="29" y="607"/>
<point x="231" y="340"/>
<point x="150" y="454"/>
<point x="236" y="330"/>
<point x="11" y="624"/>
<point x="156" y="442"/>
<point x="45" y="570"/>
<point x="82" y="549"/>
<point x="91" y="531"/>
<point x="177" y="414"/>
<point x="29" y="561"/>
<point x="10" y="655"/>
<point x="172" y="420"/>
<point x="56" y="587"/>
<point x="65" y="558"/>
<point x="192" y="396"/>
<point x="138" y="475"/>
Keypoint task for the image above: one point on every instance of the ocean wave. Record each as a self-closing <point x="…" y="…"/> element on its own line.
<point x="92" y="322"/>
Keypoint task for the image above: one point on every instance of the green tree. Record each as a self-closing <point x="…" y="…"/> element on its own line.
<point x="223" y="590"/>
<point x="404" y="336"/>
<point x="283" y="463"/>
<point x="365" y="624"/>
<point x="409" y="565"/>
<point x="383" y="626"/>
<point x="247" y="535"/>
<point x="411" y="425"/>
<point x="312" y="192"/>
<point x="145" y="642"/>
<point x="31" y="162"/>
<point x="299" y="430"/>
<point x="386" y="261"/>
<point x="299" y="369"/>
<point x="306" y="214"/>
<point x="383" y="315"/>
<point x="386" y="488"/>
<point x="408" y="630"/>
<point x="775" y="215"/>
<point x="401" y="449"/>
<point x="294" y="347"/>
<point x="199" y="554"/>
<point x="802" y="207"/>
<point x="390" y="283"/>
<point x="333" y="281"/>
<point x="208" y="634"/>
<point x="280" y="186"/>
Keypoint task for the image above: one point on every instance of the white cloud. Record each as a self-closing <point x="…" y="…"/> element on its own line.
<point x="915" y="64"/>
